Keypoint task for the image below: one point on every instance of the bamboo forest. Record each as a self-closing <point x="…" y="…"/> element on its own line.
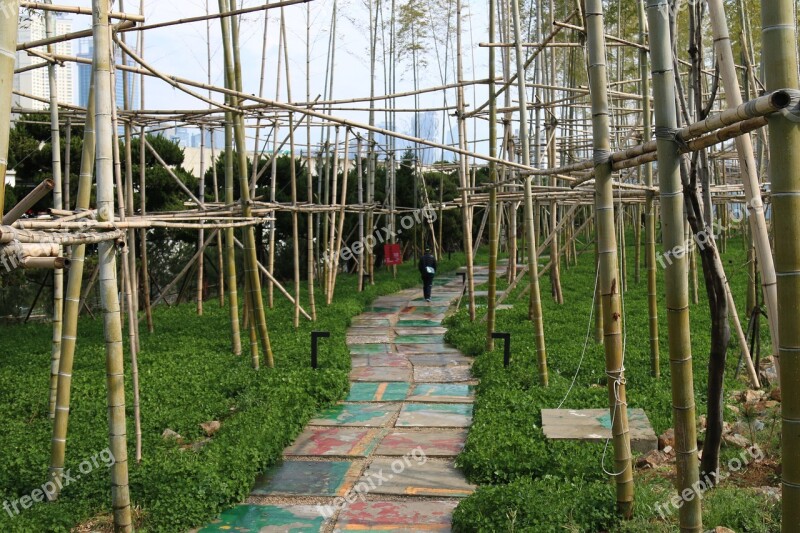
<point x="400" y="266"/>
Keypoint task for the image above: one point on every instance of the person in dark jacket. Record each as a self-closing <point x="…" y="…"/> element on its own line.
<point x="427" y="269"/>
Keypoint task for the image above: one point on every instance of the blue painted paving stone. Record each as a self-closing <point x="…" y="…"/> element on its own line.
<point x="419" y="339"/>
<point x="356" y="414"/>
<point x="308" y="478"/>
<point x="269" y="519"/>
<point x="378" y="392"/>
<point x="369" y="348"/>
<point x="442" y="392"/>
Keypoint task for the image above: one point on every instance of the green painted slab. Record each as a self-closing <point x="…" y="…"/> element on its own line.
<point x="378" y="392"/>
<point x="425" y="308"/>
<point x="425" y="330"/>
<point x="456" y="415"/>
<point x="369" y="348"/>
<point x="411" y="323"/>
<point x="442" y="392"/>
<point x="365" y="321"/>
<point x="419" y="339"/>
<point x="594" y="425"/>
<point x="269" y="519"/>
<point x="356" y="414"/>
<point x="307" y="478"/>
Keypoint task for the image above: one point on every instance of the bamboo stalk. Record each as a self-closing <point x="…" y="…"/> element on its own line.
<point x="109" y="288"/>
<point x="31" y="199"/>
<point x="780" y="64"/>
<point x="535" y="304"/>
<point x="748" y="172"/>
<point x="343" y="203"/>
<point x="675" y="277"/>
<point x="649" y="211"/>
<point x="609" y="285"/>
<point x="493" y="225"/>
<point x="234" y="79"/>
<point x="72" y="306"/>
<point x="58" y="275"/>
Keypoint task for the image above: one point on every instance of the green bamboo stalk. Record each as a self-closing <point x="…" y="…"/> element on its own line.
<point x="780" y="63"/>
<point x="493" y="235"/>
<point x="675" y="276"/>
<point x="535" y="306"/>
<point x="8" y="54"/>
<point x="58" y="274"/>
<point x="230" y="244"/>
<point x="234" y="78"/>
<point x="749" y="173"/>
<point x="109" y="288"/>
<point x="310" y="259"/>
<point x="649" y="212"/>
<point x="609" y="284"/>
<point x="72" y="305"/>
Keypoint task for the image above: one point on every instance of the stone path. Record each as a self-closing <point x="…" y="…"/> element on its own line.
<point x="382" y="460"/>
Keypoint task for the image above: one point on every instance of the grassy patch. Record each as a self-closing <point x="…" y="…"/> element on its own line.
<point x="532" y="484"/>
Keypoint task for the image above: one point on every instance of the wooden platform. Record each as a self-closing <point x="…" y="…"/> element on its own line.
<point x="595" y="425"/>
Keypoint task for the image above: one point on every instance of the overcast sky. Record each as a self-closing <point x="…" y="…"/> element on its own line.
<point x="183" y="51"/>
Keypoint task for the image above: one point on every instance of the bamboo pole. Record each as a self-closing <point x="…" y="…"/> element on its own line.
<point x="463" y="170"/>
<point x="109" y="288"/>
<point x="201" y="192"/>
<point x="675" y="277"/>
<point x="58" y="275"/>
<point x="72" y="306"/>
<point x="8" y="44"/>
<point x="310" y="259"/>
<point x="608" y="283"/>
<point x="780" y="63"/>
<point x="748" y="172"/>
<point x="234" y="75"/>
<point x="493" y="234"/>
<point x="343" y="204"/>
<point x="649" y="211"/>
<point x="535" y="304"/>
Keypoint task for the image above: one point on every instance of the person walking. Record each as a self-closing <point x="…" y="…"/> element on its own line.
<point x="427" y="269"/>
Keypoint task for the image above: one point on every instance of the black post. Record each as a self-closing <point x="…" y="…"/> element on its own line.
<point x="506" y="346"/>
<point x="315" y="335"/>
<point x="463" y="277"/>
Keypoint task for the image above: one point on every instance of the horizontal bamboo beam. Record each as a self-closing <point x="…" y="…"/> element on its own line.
<point x="78" y="11"/>
<point x="32" y="198"/>
<point x="69" y="36"/>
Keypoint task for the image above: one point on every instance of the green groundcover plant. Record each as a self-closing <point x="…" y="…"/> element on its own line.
<point x="529" y="483"/>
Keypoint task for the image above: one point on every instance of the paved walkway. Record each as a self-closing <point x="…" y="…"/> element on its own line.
<point x="382" y="460"/>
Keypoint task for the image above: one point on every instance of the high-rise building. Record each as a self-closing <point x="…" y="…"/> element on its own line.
<point x="36" y="82"/>
<point x="86" y="51"/>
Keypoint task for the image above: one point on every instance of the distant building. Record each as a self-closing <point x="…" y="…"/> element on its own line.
<point x="84" y="77"/>
<point x="36" y="82"/>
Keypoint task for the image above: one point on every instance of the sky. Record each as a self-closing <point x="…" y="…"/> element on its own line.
<point x="183" y="51"/>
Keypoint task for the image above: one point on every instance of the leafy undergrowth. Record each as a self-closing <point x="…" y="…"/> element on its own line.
<point x="529" y="483"/>
<point x="188" y="376"/>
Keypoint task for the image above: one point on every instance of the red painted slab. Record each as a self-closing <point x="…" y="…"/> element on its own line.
<point x="397" y="517"/>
